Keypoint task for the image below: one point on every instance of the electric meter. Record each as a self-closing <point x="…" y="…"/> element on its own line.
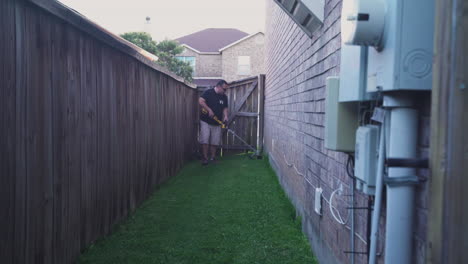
<point x="362" y="22"/>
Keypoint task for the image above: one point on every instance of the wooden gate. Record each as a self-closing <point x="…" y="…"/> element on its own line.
<point x="245" y="113"/>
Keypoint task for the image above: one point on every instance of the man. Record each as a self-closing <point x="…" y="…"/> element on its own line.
<point x="215" y="102"/>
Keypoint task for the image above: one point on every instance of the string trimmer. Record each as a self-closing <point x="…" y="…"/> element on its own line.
<point x="224" y="126"/>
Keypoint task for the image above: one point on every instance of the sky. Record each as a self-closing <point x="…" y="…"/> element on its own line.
<point x="171" y="19"/>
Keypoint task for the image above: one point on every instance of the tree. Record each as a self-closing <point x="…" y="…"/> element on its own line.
<point x="166" y="50"/>
<point x="142" y="40"/>
<point x="181" y="68"/>
<point x="169" y="47"/>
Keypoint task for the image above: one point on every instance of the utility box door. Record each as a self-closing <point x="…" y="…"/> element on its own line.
<point x="366" y="155"/>
<point x="341" y="119"/>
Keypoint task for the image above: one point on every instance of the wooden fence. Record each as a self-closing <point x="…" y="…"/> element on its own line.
<point x="447" y="230"/>
<point x="245" y="99"/>
<point x="88" y="129"/>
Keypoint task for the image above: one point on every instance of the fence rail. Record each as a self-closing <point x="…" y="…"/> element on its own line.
<point x="87" y="132"/>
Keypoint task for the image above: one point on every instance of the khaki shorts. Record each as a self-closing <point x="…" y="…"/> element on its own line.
<point x="210" y="134"/>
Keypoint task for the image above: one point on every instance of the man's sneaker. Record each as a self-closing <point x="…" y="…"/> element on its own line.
<point x="213" y="160"/>
<point x="204" y="162"/>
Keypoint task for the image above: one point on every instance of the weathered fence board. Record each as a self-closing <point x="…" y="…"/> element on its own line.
<point x="8" y="130"/>
<point x="20" y="203"/>
<point x="243" y="107"/>
<point x="87" y="132"/>
<point x="447" y="217"/>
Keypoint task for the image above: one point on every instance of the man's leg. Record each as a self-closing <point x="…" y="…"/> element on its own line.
<point x="204" y="141"/>
<point x="213" y="151"/>
<point x="205" y="151"/>
<point x="215" y="142"/>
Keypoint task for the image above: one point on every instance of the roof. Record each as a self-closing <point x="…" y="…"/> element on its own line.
<point x="212" y="39"/>
<point x="240" y="40"/>
<point x="197" y="51"/>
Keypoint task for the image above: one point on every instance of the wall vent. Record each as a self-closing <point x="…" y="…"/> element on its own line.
<point x="308" y="14"/>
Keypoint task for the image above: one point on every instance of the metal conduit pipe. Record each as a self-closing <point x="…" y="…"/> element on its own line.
<point x="378" y="197"/>
<point x="352" y="220"/>
<point x="400" y="183"/>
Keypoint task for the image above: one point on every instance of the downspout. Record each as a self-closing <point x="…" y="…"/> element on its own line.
<point x="401" y="181"/>
<point x="352" y="220"/>
<point x="378" y="195"/>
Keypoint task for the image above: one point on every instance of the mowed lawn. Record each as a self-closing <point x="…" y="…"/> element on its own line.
<point x="230" y="212"/>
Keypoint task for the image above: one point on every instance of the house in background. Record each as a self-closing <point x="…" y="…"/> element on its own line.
<point x="223" y="53"/>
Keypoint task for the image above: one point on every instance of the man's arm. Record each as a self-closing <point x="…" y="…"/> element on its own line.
<point x="225" y="115"/>
<point x="203" y="104"/>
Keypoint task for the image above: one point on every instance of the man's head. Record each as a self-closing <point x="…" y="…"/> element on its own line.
<point x="221" y="86"/>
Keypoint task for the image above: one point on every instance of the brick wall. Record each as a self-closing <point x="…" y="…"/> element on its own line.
<point x="252" y="47"/>
<point x="206" y="65"/>
<point x="296" y="69"/>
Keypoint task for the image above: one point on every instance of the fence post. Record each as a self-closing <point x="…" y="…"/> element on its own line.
<point x="447" y="231"/>
<point x="261" y="101"/>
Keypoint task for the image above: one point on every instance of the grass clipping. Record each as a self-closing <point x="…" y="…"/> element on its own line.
<point x="230" y="212"/>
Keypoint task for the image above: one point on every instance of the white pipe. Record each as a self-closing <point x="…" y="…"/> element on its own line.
<point x="378" y="197"/>
<point x="400" y="197"/>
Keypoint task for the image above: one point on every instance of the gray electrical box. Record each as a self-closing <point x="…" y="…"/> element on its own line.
<point x="366" y="156"/>
<point x="341" y="119"/>
<point x="353" y="65"/>
<point x="404" y="61"/>
<point x="353" y="74"/>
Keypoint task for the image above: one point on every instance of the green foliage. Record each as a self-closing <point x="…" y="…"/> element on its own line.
<point x="169" y="47"/>
<point x="178" y="67"/>
<point x="166" y="50"/>
<point x="232" y="212"/>
<point x="142" y="40"/>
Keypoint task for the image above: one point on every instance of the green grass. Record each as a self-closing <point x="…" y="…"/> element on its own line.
<point x="231" y="212"/>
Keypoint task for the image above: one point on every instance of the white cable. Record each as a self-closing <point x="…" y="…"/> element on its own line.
<point x="294" y="166"/>
<point x="297" y="171"/>
<point x="305" y="178"/>
<point x="357" y="235"/>
<point x="289" y="165"/>
<point x="338" y="218"/>
<point x="329" y="203"/>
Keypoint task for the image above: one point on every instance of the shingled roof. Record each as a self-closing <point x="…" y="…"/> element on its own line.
<point x="212" y="39"/>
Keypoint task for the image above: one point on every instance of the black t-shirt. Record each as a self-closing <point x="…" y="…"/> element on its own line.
<point x="217" y="103"/>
